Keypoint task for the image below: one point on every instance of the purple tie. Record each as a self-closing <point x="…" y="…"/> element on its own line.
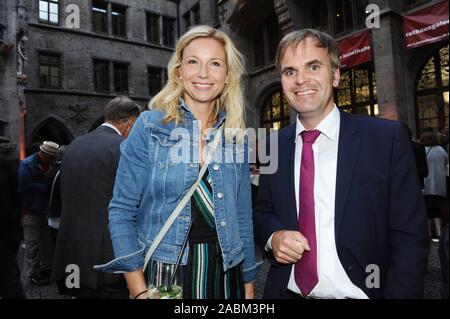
<point x="306" y="268"/>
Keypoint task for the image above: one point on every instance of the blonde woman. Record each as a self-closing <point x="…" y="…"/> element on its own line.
<point x="203" y="95"/>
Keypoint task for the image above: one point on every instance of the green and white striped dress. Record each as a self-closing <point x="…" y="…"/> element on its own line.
<point x="204" y="276"/>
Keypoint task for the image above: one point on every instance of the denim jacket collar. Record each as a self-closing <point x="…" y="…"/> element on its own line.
<point x="190" y="116"/>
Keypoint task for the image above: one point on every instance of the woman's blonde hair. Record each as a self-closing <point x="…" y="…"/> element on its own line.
<point x="231" y="100"/>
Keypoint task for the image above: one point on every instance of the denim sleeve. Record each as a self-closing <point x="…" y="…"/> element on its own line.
<point x="245" y="222"/>
<point x="131" y="175"/>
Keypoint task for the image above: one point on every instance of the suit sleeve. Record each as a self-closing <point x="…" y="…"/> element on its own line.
<point x="408" y="235"/>
<point x="266" y="221"/>
<point x="132" y="174"/>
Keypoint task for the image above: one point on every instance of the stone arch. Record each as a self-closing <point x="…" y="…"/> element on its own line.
<point x="431" y="90"/>
<point x="264" y="94"/>
<point x="273" y="90"/>
<point x="51" y="129"/>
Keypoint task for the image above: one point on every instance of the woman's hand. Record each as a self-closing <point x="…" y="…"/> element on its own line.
<point x="136" y="284"/>
<point x="250" y="290"/>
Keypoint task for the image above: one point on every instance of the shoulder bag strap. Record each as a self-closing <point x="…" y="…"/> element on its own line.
<point x="184" y="201"/>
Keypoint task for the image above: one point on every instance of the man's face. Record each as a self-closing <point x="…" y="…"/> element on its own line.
<point x="308" y="80"/>
<point x="127" y="126"/>
<point x="46" y="158"/>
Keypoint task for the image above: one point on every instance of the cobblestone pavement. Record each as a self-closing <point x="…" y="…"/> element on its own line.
<point x="432" y="279"/>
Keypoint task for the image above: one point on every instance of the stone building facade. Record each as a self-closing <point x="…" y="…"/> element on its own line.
<point x="410" y="85"/>
<point x="75" y="70"/>
<point x="122" y="47"/>
<point x="9" y="108"/>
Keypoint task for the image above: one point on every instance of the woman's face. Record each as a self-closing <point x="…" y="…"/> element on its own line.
<point x="203" y="71"/>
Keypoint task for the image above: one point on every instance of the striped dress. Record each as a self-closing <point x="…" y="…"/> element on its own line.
<point x="204" y="277"/>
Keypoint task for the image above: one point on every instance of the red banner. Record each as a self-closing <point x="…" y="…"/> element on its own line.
<point x="426" y="26"/>
<point x="356" y="49"/>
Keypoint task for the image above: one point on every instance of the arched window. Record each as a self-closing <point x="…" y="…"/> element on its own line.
<point x="357" y="92"/>
<point x="275" y="111"/>
<point x="49" y="130"/>
<point x="432" y="92"/>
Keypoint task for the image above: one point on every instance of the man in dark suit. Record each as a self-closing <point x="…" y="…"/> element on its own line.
<point x="10" y="285"/>
<point x="351" y="223"/>
<point x="88" y="171"/>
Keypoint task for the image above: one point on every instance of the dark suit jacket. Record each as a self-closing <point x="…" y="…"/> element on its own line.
<point x="88" y="173"/>
<point x="9" y="205"/>
<point x="380" y="217"/>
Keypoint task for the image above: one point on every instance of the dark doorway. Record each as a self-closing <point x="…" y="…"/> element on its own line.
<point x="49" y="130"/>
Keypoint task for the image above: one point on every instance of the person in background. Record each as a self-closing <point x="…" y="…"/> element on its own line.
<point x="10" y="236"/>
<point x="34" y="205"/>
<point x="88" y="171"/>
<point x="421" y="159"/>
<point x="53" y="185"/>
<point x="443" y="137"/>
<point x="435" y="190"/>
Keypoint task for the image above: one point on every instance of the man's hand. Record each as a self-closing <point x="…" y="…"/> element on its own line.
<point x="288" y="246"/>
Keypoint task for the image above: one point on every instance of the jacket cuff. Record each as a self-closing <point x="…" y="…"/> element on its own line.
<point x="250" y="274"/>
<point x="124" y="264"/>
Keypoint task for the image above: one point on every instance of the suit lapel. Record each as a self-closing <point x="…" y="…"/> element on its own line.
<point x="349" y="140"/>
<point x="287" y="166"/>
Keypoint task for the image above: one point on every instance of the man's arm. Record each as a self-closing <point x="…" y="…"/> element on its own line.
<point x="408" y="236"/>
<point x="265" y="223"/>
<point x="286" y="246"/>
<point x="26" y="181"/>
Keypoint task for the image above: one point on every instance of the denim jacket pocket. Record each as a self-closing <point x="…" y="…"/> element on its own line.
<point x="171" y="150"/>
<point x="169" y="177"/>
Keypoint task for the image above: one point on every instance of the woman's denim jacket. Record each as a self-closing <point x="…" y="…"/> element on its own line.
<point x="154" y="174"/>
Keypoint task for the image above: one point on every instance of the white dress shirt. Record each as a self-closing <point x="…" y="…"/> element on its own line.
<point x="333" y="280"/>
<point x="113" y="127"/>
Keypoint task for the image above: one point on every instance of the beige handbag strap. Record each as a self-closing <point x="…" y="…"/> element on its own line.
<point x="184" y="201"/>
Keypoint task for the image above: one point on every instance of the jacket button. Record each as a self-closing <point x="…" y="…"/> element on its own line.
<point x="223" y="223"/>
<point x="216" y="167"/>
<point x="219" y="195"/>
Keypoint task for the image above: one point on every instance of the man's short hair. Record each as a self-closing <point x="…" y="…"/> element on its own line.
<point x="120" y="109"/>
<point x="323" y="40"/>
